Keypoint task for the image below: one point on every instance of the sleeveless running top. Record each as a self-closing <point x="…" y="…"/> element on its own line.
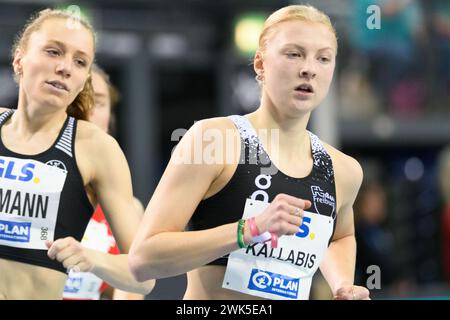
<point x="42" y="197"/>
<point x="253" y="179"/>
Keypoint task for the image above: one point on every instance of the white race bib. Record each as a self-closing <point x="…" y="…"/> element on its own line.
<point x="29" y="199"/>
<point x="82" y="285"/>
<point x="285" y="272"/>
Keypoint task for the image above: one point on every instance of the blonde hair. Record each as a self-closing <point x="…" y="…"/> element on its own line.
<point x="294" y="12"/>
<point x="84" y="101"/>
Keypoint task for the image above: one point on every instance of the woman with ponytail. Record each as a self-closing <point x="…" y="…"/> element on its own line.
<point x="55" y="167"/>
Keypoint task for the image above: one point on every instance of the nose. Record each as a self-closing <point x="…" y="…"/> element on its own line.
<point x="64" y="68"/>
<point x="307" y="70"/>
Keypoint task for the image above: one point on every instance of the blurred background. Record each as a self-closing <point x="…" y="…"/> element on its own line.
<point x="178" y="61"/>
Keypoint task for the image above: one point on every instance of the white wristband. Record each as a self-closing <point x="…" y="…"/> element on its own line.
<point x="263" y="237"/>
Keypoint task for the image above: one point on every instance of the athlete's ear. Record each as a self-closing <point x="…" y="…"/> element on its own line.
<point x="258" y="63"/>
<point x="17" y="62"/>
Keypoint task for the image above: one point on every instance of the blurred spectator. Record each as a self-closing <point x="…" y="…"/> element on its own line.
<point x="440" y="35"/>
<point x="375" y="243"/>
<point x="389" y="54"/>
<point x="444" y="182"/>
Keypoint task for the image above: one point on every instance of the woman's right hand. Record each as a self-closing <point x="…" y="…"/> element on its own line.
<point x="282" y="217"/>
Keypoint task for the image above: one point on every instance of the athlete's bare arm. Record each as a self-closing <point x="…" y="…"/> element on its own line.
<point x="103" y="165"/>
<point x="161" y="247"/>
<point x="110" y="179"/>
<point x="338" y="266"/>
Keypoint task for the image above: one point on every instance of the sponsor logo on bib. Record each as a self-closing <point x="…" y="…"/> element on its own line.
<point x="10" y="170"/>
<point x="274" y="283"/>
<point x="15" y="231"/>
<point x="304" y="229"/>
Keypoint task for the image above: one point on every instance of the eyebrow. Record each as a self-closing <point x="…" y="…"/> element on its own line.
<point x="63" y="46"/>
<point x="303" y="48"/>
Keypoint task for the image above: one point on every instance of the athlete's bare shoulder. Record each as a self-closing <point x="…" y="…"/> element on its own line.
<point x="96" y="151"/>
<point x="94" y="142"/>
<point x="89" y="133"/>
<point x="210" y="144"/>
<point x="348" y="171"/>
<point x="206" y="135"/>
<point x="219" y="123"/>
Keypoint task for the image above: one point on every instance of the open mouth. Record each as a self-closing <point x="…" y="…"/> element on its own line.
<point x="58" y="85"/>
<point x="305" y="88"/>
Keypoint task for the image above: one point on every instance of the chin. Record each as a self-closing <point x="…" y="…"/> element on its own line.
<point x="54" y="104"/>
<point x="304" y="107"/>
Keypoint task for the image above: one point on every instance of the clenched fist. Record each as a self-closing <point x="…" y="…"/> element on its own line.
<point x="71" y="254"/>
<point x="352" y="293"/>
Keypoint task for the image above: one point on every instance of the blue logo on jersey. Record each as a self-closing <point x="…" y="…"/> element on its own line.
<point x="274" y="283"/>
<point x="73" y="284"/>
<point x="9" y="170"/>
<point x="304" y="228"/>
<point x="15" y="231"/>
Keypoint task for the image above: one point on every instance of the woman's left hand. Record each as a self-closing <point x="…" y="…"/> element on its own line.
<point x="352" y="293"/>
<point x="71" y="254"/>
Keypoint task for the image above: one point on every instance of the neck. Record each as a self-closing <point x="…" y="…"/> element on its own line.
<point x="32" y="117"/>
<point x="293" y="136"/>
